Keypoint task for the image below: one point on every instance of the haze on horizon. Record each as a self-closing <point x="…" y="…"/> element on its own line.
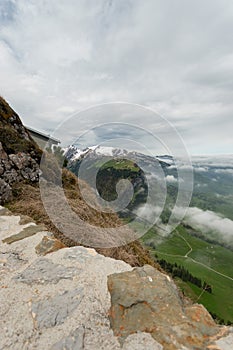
<point x="176" y="57"/>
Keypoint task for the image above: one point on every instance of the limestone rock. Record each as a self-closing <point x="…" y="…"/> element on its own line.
<point x="10" y="262"/>
<point x="61" y="301"/>
<point x="28" y="231"/>
<point x="226" y="343"/>
<point x="54" y="311"/>
<point x="4" y="211"/>
<point x="141" y="341"/>
<point x="55" y="296"/>
<point x="45" y="271"/>
<point x="74" y="341"/>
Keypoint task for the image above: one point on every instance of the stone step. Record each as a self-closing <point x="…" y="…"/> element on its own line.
<point x="37" y="240"/>
<point x="25" y="233"/>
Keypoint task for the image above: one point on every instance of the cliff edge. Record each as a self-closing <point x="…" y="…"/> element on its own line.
<point x="74" y="298"/>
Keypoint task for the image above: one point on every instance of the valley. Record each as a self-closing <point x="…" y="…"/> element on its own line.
<point x="209" y="262"/>
<point x="202" y="244"/>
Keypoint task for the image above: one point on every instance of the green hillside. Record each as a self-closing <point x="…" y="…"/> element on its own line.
<point x="209" y="262"/>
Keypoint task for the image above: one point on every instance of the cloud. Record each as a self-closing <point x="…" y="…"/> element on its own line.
<point x="201" y="185"/>
<point x="210" y="222"/>
<point x="181" y="166"/>
<point x="171" y="178"/>
<point x="201" y="169"/>
<point x="224" y="171"/>
<point x="60" y="56"/>
<point x="220" y="161"/>
<point x="149" y="213"/>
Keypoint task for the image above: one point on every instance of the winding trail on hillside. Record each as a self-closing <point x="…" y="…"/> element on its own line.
<point x="193" y="260"/>
<point x="209" y="268"/>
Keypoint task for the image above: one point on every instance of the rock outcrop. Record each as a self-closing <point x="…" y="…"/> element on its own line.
<point x="19" y="154"/>
<point x="147" y="300"/>
<point x="60" y="300"/>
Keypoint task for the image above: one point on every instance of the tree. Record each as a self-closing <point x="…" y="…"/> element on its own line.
<point x="207" y="287"/>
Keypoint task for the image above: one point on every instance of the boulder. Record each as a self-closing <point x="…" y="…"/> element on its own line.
<point x="5" y="191"/>
<point x="146" y="300"/>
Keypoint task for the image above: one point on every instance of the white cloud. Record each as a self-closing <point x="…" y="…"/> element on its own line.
<point x="201" y="169"/>
<point x="181" y="166"/>
<point x="208" y="221"/>
<point x="171" y="178"/>
<point x="201" y="185"/>
<point x="224" y="171"/>
<point x="58" y="56"/>
<point x="148" y="212"/>
<point x="214" y="160"/>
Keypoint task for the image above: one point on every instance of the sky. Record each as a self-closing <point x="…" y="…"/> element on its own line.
<point x="58" y="57"/>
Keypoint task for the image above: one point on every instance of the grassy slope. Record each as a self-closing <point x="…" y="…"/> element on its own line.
<point x="220" y="301"/>
<point x="27" y="201"/>
<point x="120" y="164"/>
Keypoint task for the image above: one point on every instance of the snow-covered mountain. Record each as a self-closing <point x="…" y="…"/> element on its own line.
<point x="72" y="153"/>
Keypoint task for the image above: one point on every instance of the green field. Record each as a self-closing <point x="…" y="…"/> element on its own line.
<point x="200" y="261"/>
<point x="121" y="164"/>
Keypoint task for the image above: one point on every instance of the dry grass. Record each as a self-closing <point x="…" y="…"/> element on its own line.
<point x="27" y="201"/>
<point x="5" y="110"/>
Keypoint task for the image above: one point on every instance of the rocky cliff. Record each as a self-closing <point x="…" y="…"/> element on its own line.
<point x="74" y="298"/>
<point x="19" y="154"/>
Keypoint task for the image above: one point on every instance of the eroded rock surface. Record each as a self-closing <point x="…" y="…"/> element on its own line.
<point x="146" y="300"/>
<point x="226" y="343"/>
<point x="62" y="301"/>
<point x="53" y="311"/>
<point x="43" y="270"/>
<point x="73" y="341"/>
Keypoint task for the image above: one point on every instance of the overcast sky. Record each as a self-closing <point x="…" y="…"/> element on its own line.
<point x="176" y="56"/>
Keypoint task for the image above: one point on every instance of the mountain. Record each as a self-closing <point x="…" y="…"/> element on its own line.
<point x="212" y="176"/>
<point x="111" y="165"/>
<point x="72" y="153"/>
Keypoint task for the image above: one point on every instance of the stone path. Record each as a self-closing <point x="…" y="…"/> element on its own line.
<point x="59" y="300"/>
